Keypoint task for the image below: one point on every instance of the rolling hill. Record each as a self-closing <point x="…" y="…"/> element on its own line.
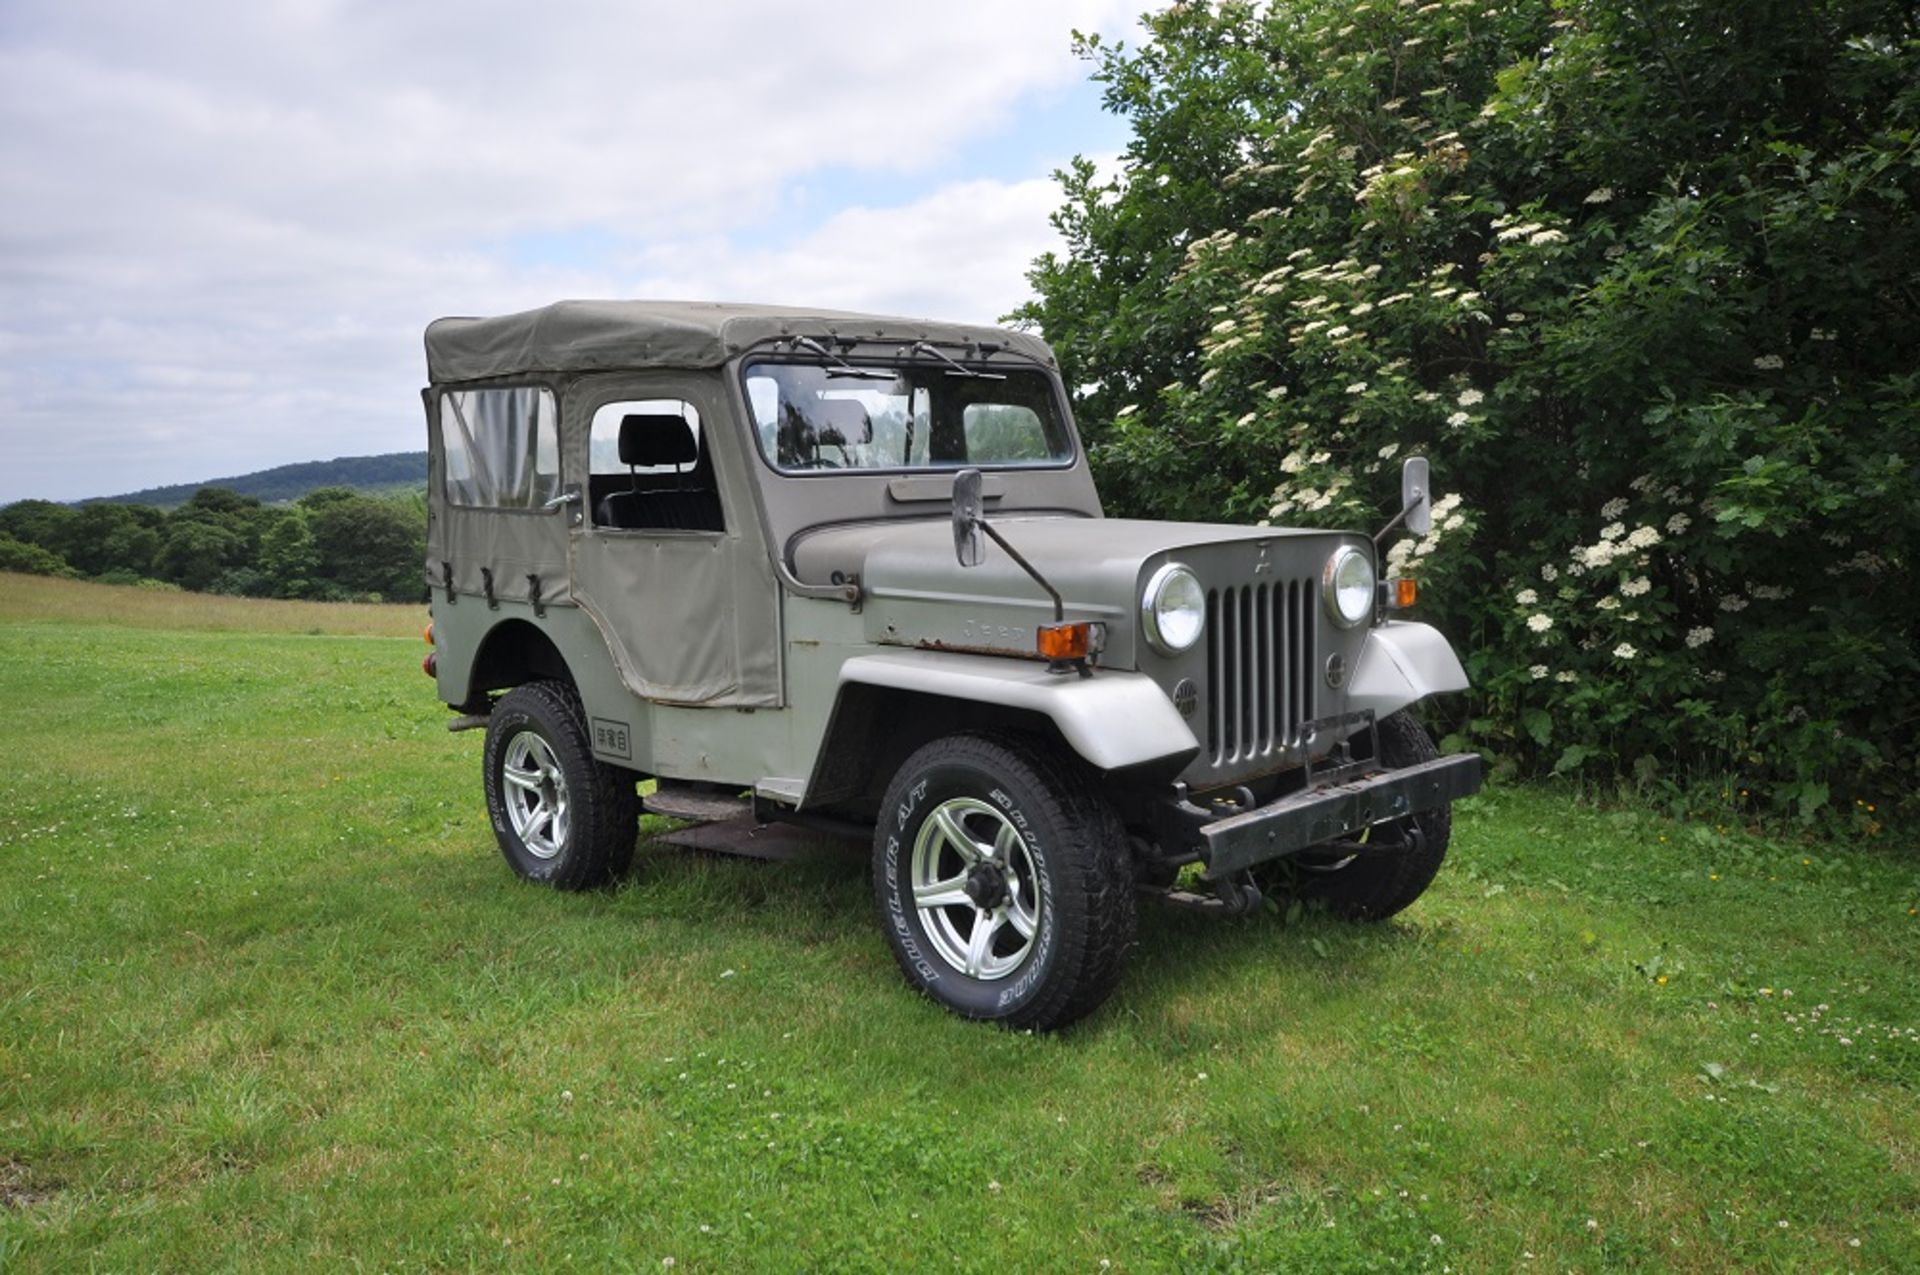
<point x="373" y="474"/>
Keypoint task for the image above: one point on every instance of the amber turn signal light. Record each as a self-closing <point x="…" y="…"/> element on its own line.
<point x="427" y="633"/>
<point x="1402" y="593"/>
<point x="1064" y="641"/>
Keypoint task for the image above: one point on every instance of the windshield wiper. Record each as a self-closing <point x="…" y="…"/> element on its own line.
<point x="953" y="368"/>
<point x="839" y="368"/>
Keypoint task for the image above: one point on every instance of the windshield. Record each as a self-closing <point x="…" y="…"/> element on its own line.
<point x="815" y="417"/>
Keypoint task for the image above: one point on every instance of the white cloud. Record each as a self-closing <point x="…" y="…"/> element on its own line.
<point x="226" y="225"/>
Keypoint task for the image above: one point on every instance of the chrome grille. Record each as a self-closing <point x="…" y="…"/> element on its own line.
<point x="1260" y="657"/>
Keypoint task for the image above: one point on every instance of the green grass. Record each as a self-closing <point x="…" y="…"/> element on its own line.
<point x="269" y="999"/>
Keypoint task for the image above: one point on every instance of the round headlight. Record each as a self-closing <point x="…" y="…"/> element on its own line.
<point x="1174" y="609"/>
<point x="1349" y="586"/>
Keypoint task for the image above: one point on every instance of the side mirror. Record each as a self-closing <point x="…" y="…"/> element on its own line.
<point x="1416" y="495"/>
<point x="967" y="509"/>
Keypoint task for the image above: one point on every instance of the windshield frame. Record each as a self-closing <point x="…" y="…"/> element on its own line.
<point x="899" y="357"/>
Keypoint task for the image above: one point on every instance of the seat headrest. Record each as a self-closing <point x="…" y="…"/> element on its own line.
<point x="841" y="420"/>
<point x="657" y="438"/>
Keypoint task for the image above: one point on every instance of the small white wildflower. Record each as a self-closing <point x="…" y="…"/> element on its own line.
<point x="1294" y="463"/>
<point x="1549" y="572"/>
<point x="1643" y="538"/>
<point x="1339" y="329"/>
<point x="1358" y="387"/>
<point x="1469" y="397"/>
<point x="1538" y="671"/>
<point x="1566" y="675"/>
<point x="1458" y="419"/>
<point x="1600" y="196"/>
<point x="1245" y="420"/>
<point x="1225" y="325"/>
<point x="1733" y="602"/>
<point x="1677" y="524"/>
<point x="1613" y="531"/>
<point x="1769" y="592"/>
<point x="1545" y="237"/>
<point x="1278" y="391"/>
<point x="1515" y="316"/>
<point x="1635" y="587"/>
<point x="1389" y="451"/>
<point x="1608" y="603"/>
<point x="1769" y="362"/>
<point x="1614" y="508"/>
<point x="1454" y="523"/>
<point x="1539" y="623"/>
<point x="1624" y="651"/>
<point x="1526" y="597"/>
<point x="1699" y="637"/>
<point x="1365" y="307"/>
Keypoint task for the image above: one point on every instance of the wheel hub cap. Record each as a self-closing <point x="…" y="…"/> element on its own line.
<point x="987" y="886"/>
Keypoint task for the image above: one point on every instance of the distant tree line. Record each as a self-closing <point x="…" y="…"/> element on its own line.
<point x="332" y="545"/>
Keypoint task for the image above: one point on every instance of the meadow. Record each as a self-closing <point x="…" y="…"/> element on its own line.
<point x="269" y="999"/>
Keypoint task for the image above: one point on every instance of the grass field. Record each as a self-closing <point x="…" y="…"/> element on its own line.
<point x="269" y="999"/>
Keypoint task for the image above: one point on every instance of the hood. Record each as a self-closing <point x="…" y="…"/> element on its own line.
<point x="917" y="593"/>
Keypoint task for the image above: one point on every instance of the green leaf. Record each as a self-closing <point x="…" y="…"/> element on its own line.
<point x="1571" y="759"/>
<point x="1539" y="724"/>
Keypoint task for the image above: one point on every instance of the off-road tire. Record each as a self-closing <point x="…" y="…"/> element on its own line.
<point x="602" y="805"/>
<point x="1069" y="841"/>
<point x="1375" y="888"/>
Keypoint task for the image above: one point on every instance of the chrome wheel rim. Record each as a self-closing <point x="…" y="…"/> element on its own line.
<point x="536" y="794"/>
<point x="977" y="888"/>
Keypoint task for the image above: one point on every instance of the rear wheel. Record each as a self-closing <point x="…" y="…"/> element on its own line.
<point x="1003" y="882"/>
<point x="1395" y="862"/>
<point x="562" y="818"/>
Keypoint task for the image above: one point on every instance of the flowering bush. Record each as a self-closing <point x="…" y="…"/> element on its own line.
<point x="1650" y="312"/>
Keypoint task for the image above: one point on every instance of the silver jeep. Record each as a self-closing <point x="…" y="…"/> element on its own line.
<point x="851" y="572"/>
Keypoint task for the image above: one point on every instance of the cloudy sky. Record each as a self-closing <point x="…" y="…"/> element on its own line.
<point x="225" y="223"/>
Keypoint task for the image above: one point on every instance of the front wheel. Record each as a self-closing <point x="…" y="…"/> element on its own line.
<point x="562" y="818"/>
<point x="1003" y="882"/>
<point x="1371" y="885"/>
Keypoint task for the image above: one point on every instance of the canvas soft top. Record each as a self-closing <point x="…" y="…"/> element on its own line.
<point x="591" y="336"/>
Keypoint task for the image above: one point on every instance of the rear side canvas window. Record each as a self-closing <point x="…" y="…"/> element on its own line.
<point x="500" y="446"/>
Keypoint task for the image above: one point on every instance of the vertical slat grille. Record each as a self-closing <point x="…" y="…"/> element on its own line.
<point x="1259" y="669"/>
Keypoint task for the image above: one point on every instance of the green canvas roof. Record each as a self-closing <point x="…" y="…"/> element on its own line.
<point x="588" y="336"/>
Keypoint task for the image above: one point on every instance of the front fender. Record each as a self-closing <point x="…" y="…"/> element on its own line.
<point x="1113" y="719"/>
<point x="1400" y="664"/>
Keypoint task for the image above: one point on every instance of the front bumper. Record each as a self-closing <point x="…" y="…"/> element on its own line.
<point x="1318" y="815"/>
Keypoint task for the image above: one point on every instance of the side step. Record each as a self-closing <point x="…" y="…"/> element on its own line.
<point x="700" y="803"/>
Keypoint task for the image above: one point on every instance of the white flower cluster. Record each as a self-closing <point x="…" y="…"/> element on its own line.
<point x="1635" y="587"/>
<point x="1678" y="523"/>
<point x="1469" y="397"/>
<point x="1613" y="509"/>
<point x="1769" y="592"/>
<point x="1769" y="362"/>
<point x="1625" y="651"/>
<point x="1539" y="671"/>
<point x="1526" y="597"/>
<point x="1446" y="517"/>
<point x="1539" y="622"/>
<point x="1697" y="638"/>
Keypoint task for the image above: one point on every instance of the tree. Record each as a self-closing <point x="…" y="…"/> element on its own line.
<point x="1641" y="281"/>
<point x="365" y="545"/>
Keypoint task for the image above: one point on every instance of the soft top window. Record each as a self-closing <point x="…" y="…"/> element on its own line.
<point x="500" y="447"/>
<point x="811" y="417"/>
